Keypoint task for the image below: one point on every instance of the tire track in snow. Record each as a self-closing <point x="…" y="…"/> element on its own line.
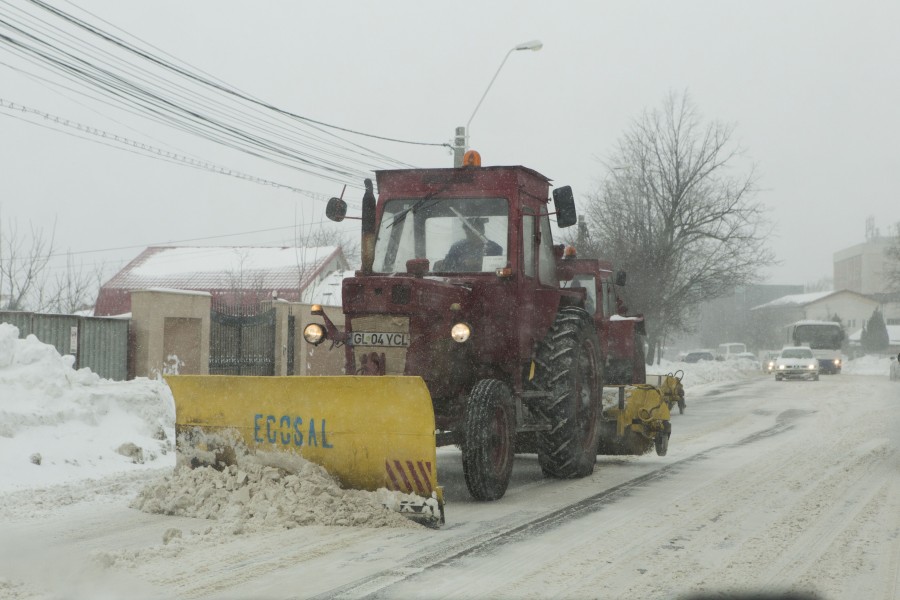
<point x="489" y="542"/>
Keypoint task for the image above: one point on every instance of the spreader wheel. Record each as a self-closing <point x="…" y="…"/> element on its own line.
<point x="661" y="441"/>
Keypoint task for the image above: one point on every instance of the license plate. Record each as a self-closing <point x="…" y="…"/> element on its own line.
<point x="376" y="338"/>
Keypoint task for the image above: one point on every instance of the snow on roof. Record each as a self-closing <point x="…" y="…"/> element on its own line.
<point x="326" y="291"/>
<point x="215" y="267"/>
<point x="794" y="300"/>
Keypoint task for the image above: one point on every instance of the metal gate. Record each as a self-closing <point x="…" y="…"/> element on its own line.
<point x="241" y="340"/>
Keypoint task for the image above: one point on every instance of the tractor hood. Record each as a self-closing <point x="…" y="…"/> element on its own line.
<point x="408" y="295"/>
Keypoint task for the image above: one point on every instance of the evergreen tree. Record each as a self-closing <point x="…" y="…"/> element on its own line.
<point x="875" y="335"/>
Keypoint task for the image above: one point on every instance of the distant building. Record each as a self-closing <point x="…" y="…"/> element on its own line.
<point x="238" y="274"/>
<point x="864" y="268"/>
<point x="853" y="309"/>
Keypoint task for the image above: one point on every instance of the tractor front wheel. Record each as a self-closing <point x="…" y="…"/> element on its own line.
<point x="489" y="430"/>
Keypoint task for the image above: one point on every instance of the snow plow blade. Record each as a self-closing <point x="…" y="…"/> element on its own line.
<point x="368" y="432"/>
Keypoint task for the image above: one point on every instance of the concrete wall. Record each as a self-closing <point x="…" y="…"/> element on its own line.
<point x="308" y="359"/>
<point x="168" y="324"/>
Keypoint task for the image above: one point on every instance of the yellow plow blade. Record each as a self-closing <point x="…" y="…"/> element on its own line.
<point x="369" y="432"/>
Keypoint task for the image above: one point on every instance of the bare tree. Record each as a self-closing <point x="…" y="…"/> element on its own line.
<point x="347" y="242"/>
<point x="75" y="289"/>
<point x="24" y="264"/>
<point x="673" y="214"/>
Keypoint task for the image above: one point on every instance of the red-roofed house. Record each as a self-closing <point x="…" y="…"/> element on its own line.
<point x="234" y="274"/>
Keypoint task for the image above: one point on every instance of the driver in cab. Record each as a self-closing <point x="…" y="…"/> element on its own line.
<point x="467" y="254"/>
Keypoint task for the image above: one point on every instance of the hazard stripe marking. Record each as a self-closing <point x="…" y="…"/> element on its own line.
<point x="426" y="476"/>
<point x="412" y="477"/>
<point x="406" y="482"/>
<point x="393" y="478"/>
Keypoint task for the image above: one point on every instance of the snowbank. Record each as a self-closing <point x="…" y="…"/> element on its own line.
<point x="868" y="365"/>
<point x="59" y="425"/>
<point x="706" y="372"/>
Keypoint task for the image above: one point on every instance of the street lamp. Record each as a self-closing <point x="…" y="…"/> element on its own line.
<point x="460" y="143"/>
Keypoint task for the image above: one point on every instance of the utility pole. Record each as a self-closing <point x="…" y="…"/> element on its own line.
<point x="460" y="144"/>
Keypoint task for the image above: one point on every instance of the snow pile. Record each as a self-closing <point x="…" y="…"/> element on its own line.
<point x="868" y="365"/>
<point x="266" y="491"/>
<point x="58" y="424"/>
<point x="707" y="371"/>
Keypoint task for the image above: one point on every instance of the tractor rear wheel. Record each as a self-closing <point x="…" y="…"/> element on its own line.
<point x="488" y="447"/>
<point x="569" y="367"/>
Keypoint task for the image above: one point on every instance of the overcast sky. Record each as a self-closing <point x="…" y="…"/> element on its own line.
<point x="811" y="87"/>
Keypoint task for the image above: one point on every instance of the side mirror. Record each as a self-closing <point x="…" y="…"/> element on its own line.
<point x="336" y="210"/>
<point x="620" y="278"/>
<point x="564" y="202"/>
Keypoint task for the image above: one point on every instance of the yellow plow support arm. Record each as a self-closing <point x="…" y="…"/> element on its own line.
<point x="369" y="432"/>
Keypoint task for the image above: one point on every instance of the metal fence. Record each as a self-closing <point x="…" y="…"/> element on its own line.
<point x="98" y="343"/>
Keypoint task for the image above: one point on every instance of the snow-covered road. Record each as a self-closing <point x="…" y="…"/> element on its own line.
<point x="766" y="486"/>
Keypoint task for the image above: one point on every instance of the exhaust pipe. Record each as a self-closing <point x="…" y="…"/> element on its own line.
<point x="368" y="228"/>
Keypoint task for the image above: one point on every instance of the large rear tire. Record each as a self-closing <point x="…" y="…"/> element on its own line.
<point x="488" y="447"/>
<point x="569" y="367"/>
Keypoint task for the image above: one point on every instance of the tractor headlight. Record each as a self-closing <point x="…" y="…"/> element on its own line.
<point x="460" y="332"/>
<point x="314" y="334"/>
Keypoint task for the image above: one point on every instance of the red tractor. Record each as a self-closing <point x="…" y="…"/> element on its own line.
<point x="462" y="285"/>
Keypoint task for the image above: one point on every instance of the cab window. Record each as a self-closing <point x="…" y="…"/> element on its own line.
<point x="546" y="259"/>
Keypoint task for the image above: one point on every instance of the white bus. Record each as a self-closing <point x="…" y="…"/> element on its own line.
<point x="824" y="338"/>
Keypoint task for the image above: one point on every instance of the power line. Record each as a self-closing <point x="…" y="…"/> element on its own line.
<point x="121" y="87"/>
<point x="157" y="152"/>
<point x="147" y="99"/>
<point x="220" y="86"/>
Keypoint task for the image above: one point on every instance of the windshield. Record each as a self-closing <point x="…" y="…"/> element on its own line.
<point x="797" y="353"/>
<point x="454" y="234"/>
<point x="819" y="337"/>
<point x="589" y="284"/>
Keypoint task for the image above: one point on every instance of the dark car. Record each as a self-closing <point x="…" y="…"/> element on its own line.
<point x="693" y="357"/>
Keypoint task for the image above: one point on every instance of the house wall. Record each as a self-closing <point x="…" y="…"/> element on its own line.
<point x="169" y="324"/>
<point x="853" y="309"/>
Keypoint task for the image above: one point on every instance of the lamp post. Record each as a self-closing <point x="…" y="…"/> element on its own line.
<point x="460" y="141"/>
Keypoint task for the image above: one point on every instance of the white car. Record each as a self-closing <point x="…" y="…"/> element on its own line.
<point x="796" y="362"/>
